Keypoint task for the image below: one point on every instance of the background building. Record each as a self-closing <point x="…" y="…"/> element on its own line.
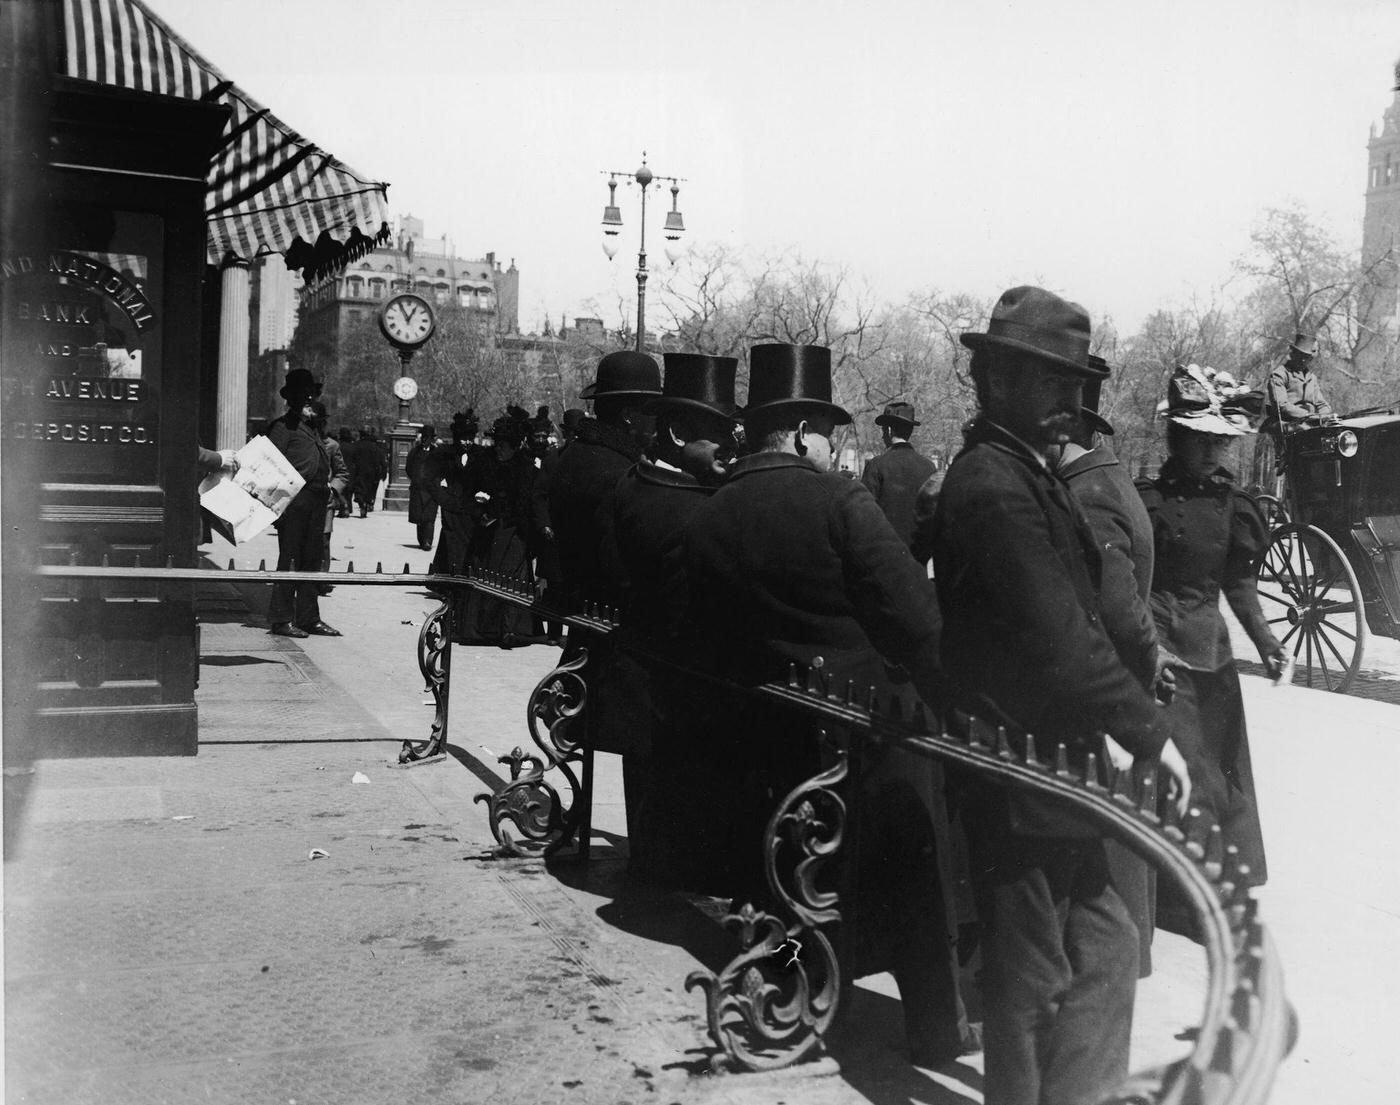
<point x="1380" y="234"/>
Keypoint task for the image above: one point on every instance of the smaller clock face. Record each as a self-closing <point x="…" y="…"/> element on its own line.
<point x="405" y="388"/>
<point x="407" y="320"/>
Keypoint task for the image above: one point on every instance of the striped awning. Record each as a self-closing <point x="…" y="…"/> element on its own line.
<point x="270" y="190"/>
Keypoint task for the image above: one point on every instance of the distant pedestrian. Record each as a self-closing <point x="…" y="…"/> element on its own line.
<point x="420" y="467"/>
<point x="366" y="461"/>
<point x="895" y="476"/>
<point x="339" y="481"/>
<point x="448" y="482"/>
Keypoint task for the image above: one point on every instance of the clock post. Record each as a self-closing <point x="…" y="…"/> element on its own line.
<point x="407" y="323"/>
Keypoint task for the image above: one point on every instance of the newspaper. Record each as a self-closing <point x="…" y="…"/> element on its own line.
<point x="245" y="503"/>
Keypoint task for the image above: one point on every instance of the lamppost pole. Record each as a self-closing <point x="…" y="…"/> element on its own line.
<point x="612" y="224"/>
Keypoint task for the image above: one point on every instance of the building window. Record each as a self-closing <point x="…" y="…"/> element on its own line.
<point x="441" y="273"/>
<point x="355" y="288"/>
<point x="376" y="288"/>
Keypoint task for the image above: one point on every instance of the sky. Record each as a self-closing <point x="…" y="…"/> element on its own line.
<point x="1116" y="151"/>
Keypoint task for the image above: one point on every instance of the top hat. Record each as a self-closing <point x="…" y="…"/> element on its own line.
<point x="572" y="417"/>
<point x="898" y="415"/>
<point x="696" y="382"/>
<point x="797" y="376"/>
<point x="1089" y="404"/>
<point x="624" y="373"/>
<point x="1305" y="344"/>
<point x="301" y="382"/>
<point x="1210" y="402"/>
<point x="1031" y="320"/>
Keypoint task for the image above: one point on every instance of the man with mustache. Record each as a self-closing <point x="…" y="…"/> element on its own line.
<point x="1024" y="646"/>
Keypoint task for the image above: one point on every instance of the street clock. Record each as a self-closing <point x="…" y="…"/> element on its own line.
<point x="405" y="388"/>
<point x="407" y="321"/>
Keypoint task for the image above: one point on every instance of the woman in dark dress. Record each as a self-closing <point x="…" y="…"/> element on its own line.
<point x="1208" y="537"/>
<point x="499" y="480"/>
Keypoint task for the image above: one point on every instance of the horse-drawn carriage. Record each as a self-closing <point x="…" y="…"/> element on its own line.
<point x="1331" y="572"/>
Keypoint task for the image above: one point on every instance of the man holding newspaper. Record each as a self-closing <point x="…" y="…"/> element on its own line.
<point x="295" y="610"/>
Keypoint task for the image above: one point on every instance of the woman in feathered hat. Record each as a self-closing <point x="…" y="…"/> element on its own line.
<point x="1208" y="537"/>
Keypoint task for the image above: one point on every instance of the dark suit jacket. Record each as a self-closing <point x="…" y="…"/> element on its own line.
<point x="894" y="478"/>
<point x="305" y="449"/>
<point x="1120" y="524"/>
<point x="1024" y="641"/>
<point x="787" y="563"/>
<point x="643" y="523"/>
<point x="588" y="469"/>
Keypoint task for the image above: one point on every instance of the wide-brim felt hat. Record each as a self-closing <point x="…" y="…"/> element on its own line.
<point x="1031" y="320"/>
<point x="302" y="382"/>
<point x="1089" y="404"/>
<point x="626" y="372"/>
<point x="1305" y="344"/>
<point x="898" y="414"/>
<point x="786" y="377"/>
<point x="697" y="382"/>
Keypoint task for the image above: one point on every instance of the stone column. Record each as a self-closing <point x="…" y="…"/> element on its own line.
<point x="233" y="355"/>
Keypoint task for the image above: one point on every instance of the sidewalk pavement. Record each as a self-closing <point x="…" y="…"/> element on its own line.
<point x="169" y="936"/>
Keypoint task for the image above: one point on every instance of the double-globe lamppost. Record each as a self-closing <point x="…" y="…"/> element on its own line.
<point x="612" y="227"/>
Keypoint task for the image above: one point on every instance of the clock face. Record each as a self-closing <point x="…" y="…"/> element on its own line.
<point x="407" y="320"/>
<point x="405" y="388"/>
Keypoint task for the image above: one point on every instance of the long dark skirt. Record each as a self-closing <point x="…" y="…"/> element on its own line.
<point x="500" y="550"/>
<point x="1208" y="726"/>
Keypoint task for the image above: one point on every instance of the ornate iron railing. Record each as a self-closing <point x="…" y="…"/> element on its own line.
<point x="775" y="1001"/>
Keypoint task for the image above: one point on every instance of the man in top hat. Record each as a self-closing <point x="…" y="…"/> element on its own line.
<point x="668" y="776"/>
<point x="895" y="476"/>
<point x="295" y="608"/>
<point x="1024" y="645"/>
<point x="589" y="467"/>
<point x="791" y="563"/>
<point x="1118" y="520"/>
<point x="422" y="471"/>
<point x="1294" y="395"/>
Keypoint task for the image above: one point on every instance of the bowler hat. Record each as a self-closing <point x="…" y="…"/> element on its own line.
<point x="573" y="416"/>
<point x="1089" y="404"/>
<point x="624" y="373"/>
<point x="694" y="381"/>
<point x="1305" y="344"/>
<point x="898" y="413"/>
<point x="791" y="376"/>
<point x="300" y="382"/>
<point x="1031" y="320"/>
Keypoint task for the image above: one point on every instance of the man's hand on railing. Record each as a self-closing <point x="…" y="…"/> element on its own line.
<point x="1179" y="781"/>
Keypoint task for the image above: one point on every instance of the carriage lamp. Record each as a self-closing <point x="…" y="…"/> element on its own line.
<point x="1347" y="444"/>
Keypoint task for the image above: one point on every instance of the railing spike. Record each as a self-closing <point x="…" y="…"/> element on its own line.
<point x="870" y="698"/>
<point x="1032" y="760"/>
<point x="106" y="561"/>
<point x="1091" y="771"/>
<point x="1003" y="747"/>
<point x="136" y="560"/>
<point x="811" y="683"/>
<point x="350" y="567"/>
<point x="1147" y="794"/>
<point x="1061" y="759"/>
<point x="1214" y="852"/>
<point x="379" y="568"/>
<point x="170" y="561"/>
<point x="262" y="565"/>
<point x="72" y="558"/>
<point x="230" y="563"/>
<point x="792" y="675"/>
<point x="405" y="567"/>
<point x="850" y="692"/>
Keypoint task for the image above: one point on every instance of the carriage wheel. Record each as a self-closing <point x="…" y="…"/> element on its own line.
<point x="1311" y="599"/>
<point x="1274" y="511"/>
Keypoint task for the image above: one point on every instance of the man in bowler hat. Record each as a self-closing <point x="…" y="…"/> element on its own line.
<point x="895" y="476"/>
<point x="791" y="563"/>
<point x="1118" y="520"/>
<point x="1024" y="646"/>
<point x="295" y="609"/>
<point x="582" y="479"/>
<point x="673" y="784"/>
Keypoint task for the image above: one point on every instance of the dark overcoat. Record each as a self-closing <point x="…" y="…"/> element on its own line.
<point x="894" y="478"/>
<point x="366" y="461"/>
<point x="642" y="551"/>
<point x="588" y="469"/>
<point x="787" y="563"/>
<point x="1116" y="515"/>
<point x="1209" y="537"/>
<point x="546" y="543"/>
<point x="422" y="469"/>
<point x="1024" y="641"/>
